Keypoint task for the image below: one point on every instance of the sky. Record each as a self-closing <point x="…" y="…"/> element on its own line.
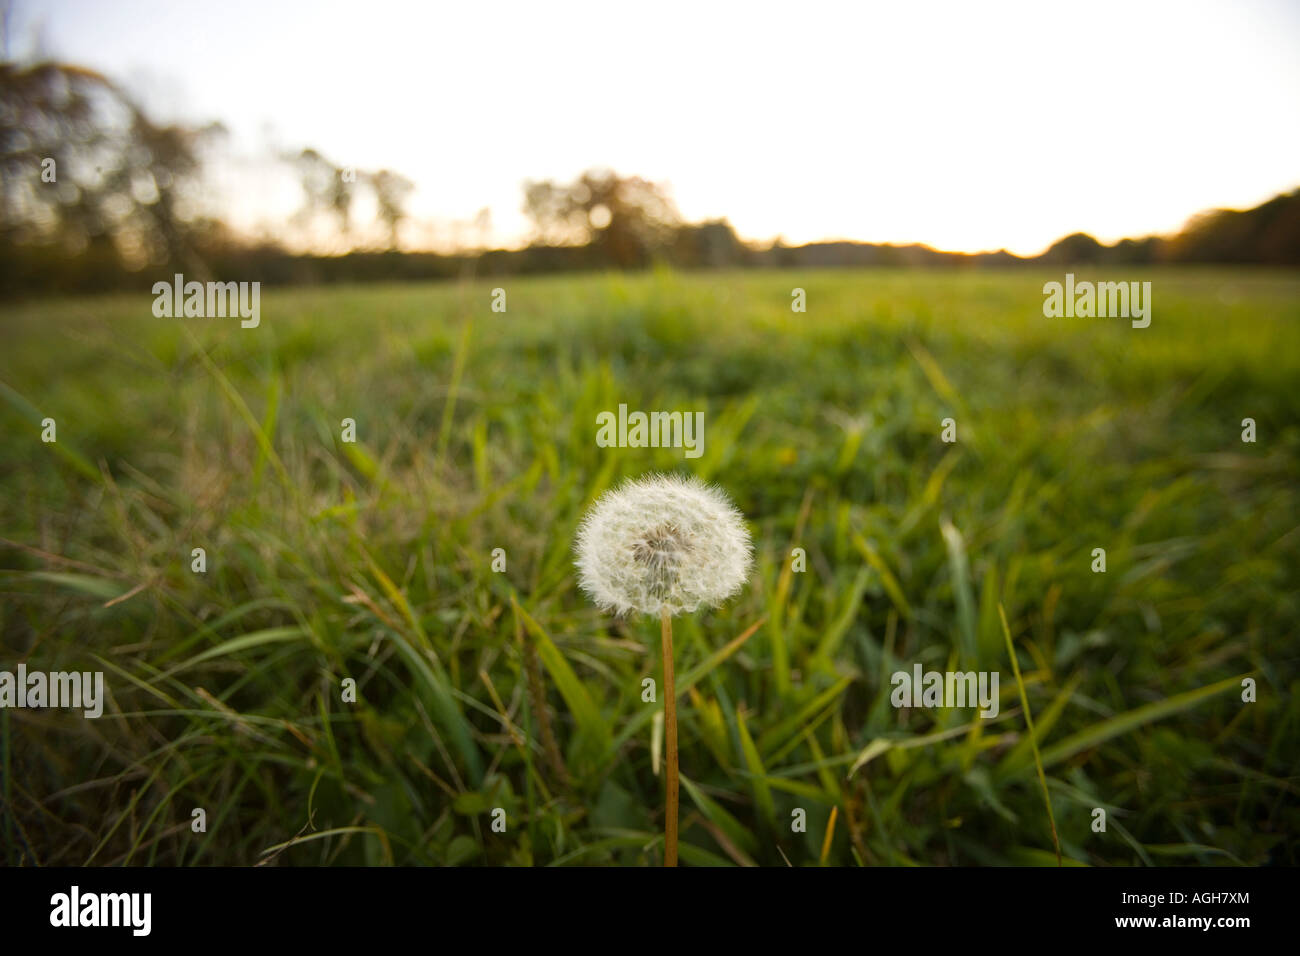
<point x="964" y="126"/>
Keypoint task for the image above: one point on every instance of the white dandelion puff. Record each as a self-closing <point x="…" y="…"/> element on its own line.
<point x="663" y="543"/>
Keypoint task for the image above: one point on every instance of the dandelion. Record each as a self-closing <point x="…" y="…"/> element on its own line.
<point x="663" y="545"/>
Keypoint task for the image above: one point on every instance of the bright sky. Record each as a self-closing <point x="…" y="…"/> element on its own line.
<point x="962" y="125"/>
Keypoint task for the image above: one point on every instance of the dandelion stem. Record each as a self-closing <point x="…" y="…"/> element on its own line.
<point x="670" y="738"/>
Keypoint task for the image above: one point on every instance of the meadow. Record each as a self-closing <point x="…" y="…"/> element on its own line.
<point x="478" y="689"/>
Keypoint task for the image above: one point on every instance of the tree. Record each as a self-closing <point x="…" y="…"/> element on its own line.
<point x="327" y="189"/>
<point x="628" y="219"/>
<point x="1077" y="248"/>
<point x="83" y="167"/>
<point x="1268" y="233"/>
<point x="391" y="192"/>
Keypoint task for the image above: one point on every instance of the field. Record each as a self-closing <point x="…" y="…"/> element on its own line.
<point x="478" y="689"/>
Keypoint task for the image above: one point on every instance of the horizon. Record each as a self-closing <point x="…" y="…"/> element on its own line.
<point x="778" y="156"/>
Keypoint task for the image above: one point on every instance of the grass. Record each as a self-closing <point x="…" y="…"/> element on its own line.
<point x="478" y="690"/>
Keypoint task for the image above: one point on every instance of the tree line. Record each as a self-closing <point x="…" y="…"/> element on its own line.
<point x="93" y="192"/>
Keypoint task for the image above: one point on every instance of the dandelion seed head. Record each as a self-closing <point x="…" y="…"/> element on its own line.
<point x="662" y="542"/>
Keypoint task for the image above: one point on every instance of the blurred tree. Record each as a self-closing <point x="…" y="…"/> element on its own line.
<point x="628" y="219"/>
<point x="83" y="168"/>
<point x="1137" y="251"/>
<point x="711" y="245"/>
<point x="1078" y="248"/>
<point x="1268" y="233"/>
<point x="327" y="189"/>
<point x="391" y="192"/>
